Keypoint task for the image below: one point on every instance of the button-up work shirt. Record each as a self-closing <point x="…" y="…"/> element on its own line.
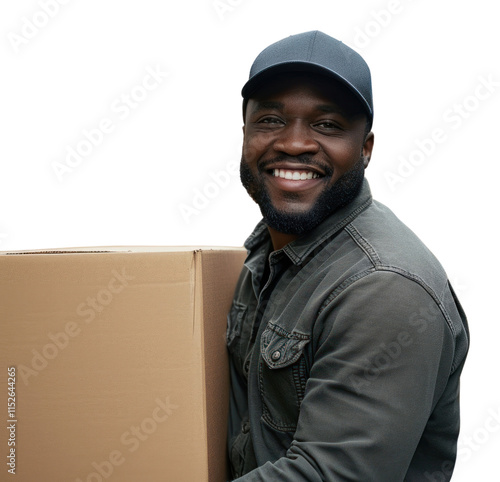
<point x="346" y="348"/>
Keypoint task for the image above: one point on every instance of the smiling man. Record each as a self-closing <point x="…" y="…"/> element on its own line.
<point x="346" y="340"/>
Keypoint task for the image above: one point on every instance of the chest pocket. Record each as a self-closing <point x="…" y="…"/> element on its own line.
<point x="282" y="376"/>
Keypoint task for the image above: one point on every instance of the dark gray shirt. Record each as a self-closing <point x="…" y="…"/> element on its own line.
<point x="346" y="348"/>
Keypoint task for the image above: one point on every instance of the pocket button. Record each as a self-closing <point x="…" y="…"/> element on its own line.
<point x="245" y="426"/>
<point x="276" y="355"/>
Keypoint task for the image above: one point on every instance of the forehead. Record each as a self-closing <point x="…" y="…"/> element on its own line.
<point x="323" y="89"/>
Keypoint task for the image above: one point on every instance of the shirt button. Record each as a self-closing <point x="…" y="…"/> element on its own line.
<point x="276" y="355"/>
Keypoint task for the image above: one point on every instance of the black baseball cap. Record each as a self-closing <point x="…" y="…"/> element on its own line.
<point x="313" y="52"/>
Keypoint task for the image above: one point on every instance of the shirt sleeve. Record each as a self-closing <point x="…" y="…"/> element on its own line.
<point x="383" y="355"/>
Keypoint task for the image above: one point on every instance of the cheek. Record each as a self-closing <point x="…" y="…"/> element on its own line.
<point x="254" y="147"/>
<point x="343" y="156"/>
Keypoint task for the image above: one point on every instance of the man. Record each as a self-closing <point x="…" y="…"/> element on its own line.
<point x="346" y="340"/>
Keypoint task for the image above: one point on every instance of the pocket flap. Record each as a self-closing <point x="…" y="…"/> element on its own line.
<point x="279" y="348"/>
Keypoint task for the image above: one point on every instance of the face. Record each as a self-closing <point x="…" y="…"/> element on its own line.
<point x="305" y="149"/>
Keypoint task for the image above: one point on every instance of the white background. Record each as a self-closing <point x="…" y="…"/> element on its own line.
<point x="63" y="73"/>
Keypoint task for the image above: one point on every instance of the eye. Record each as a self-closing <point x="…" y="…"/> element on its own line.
<point x="270" y="120"/>
<point x="328" y="125"/>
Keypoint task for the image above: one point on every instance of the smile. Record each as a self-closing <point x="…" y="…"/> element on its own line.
<point x="294" y="175"/>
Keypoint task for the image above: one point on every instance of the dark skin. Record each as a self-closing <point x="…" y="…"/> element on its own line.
<point x="302" y="114"/>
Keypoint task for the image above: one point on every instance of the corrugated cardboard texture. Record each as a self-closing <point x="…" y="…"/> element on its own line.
<point x="121" y="363"/>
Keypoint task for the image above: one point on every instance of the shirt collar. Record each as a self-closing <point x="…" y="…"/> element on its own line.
<point x="299" y="249"/>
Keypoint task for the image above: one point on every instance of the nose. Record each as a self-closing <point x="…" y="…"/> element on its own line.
<point x="296" y="138"/>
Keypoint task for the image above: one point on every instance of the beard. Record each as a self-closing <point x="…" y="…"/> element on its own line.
<point x="332" y="198"/>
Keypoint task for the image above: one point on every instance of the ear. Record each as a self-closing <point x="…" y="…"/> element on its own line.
<point x="367" y="148"/>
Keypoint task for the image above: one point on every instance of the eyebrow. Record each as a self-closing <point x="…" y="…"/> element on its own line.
<point x="268" y="104"/>
<point x="329" y="108"/>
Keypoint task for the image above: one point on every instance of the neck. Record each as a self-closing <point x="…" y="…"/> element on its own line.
<point x="280" y="240"/>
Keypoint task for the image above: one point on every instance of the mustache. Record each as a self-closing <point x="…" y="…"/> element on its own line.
<point x="303" y="159"/>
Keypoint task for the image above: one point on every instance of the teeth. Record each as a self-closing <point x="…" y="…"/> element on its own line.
<point x="295" y="175"/>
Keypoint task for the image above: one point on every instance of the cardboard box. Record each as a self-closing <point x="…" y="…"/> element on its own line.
<point x="120" y="363"/>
